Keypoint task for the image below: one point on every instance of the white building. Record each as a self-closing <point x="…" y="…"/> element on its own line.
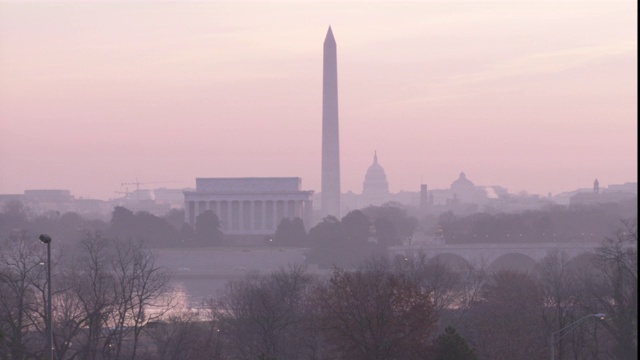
<point x="249" y="206"/>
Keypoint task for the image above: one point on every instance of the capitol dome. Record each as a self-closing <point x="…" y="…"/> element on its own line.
<point x="375" y="181"/>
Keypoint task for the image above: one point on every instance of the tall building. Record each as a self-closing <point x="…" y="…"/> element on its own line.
<point x="424" y="199"/>
<point x="330" y="187"/>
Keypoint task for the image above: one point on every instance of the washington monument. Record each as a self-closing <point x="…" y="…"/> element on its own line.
<point x="330" y="189"/>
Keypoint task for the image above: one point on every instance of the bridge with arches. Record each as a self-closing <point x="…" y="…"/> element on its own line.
<point x="497" y="256"/>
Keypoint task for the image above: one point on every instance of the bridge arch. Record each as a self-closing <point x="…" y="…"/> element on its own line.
<point x="582" y="261"/>
<point x="512" y="261"/>
<point x="453" y="261"/>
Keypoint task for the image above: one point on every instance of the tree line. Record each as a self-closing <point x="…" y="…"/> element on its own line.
<point x="155" y="231"/>
<point x="388" y="224"/>
<point x="111" y="301"/>
<point x="556" y="223"/>
<point x="364" y="230"/>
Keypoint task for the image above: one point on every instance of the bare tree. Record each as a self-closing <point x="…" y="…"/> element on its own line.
<point x="614" y="291"/>
<point x="559" y="285"/>
<point x="177" y="336"/>
<point x="142" y="294"/>
<point x="112" y="289"/>
<point x="506" y="322"/>
<point x="373" y="313"/>
<point x="68" y="320"/>
<point x="263" y="314"/>
<point x="474" y="277"/>
<point x="20" y="307"/>
<point x="441" y="281"/>
<point x="110" y="284"/>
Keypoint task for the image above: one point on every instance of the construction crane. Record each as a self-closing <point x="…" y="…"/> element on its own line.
<point x="138" y="183"/>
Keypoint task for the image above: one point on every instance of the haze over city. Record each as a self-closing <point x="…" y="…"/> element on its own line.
<point x="535" y="96"/>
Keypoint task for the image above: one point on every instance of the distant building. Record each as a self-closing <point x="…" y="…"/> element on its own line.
<point x="173" y="197"/>
<point x="462" y="197"/>
<point x="142" y="204"/>
<point x="93" y="208"/>
<point x="375" y="188"/>
<point x="424" y="199"/>
<point x="630" y="188"/>
<point x="464" y="191"/>
<point x="249" y="206"/>
<point x="40" y="201"/>
<point x="50" y="196"/>
<point x="44" y="200"/>
<point x="6" y="198"/>
<point x="612" y="194"/>
<point x="595" y="198"/>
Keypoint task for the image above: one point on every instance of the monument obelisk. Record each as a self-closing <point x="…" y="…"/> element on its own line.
<point x="330" y="187"/>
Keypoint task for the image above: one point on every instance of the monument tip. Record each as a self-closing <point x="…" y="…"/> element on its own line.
<point x="329" y="36"/>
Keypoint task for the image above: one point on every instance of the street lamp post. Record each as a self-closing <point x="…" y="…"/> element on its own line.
<point x="570" y="326"/>
<point x="47" y="240"/>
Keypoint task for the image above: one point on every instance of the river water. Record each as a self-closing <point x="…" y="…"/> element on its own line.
<point x="200" y="274"/>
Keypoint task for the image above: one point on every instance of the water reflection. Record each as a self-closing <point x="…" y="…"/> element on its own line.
<point x="194" y="293"/>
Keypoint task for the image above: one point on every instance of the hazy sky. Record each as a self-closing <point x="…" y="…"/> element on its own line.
<point x="531" y="95"/>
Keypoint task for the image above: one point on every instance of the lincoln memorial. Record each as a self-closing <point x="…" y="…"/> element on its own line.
<point x="249" y="206"/>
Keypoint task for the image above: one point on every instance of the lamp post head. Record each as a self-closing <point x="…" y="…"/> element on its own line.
<point x="600" y="316"/>
<point x="45" y="238"/>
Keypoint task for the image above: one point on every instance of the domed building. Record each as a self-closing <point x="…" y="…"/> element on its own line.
<point x="375" y="188"/>
<point x="462" y="184"/>
<point x="464" y="190"/>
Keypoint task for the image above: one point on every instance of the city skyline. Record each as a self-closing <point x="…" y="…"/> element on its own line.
<point x="538" y="97"/>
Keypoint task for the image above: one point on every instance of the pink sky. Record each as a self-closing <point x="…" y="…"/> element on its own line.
<point x="531" y="95"/>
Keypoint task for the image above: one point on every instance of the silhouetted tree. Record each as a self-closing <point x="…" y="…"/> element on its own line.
<point x="298" y="232"/>
<point x="615" y="291"/>
<point x="14" y="216"/>
<point x="175" y="218"/>
<point x="559" y="284"/>
<point x="509" y="309"/>
<point x="372" y="313"/>
<point x="360" y="234"/>
<point x="357" y="229"/>
<point x="71" y="220"/>
<point x="290" y="233"/>
<point x="153" y="230"/>
<point x="552" y="224"/>
<point x="21" y="276"/>
<point x="122" y="220"/>
<point x="142" y="294"/>
<point x="452" y="346"/>
<point x="356" y="246"/>
<point x="178" y="336"/>
<point x="208" y="229"/>
<point x="93" y="283"/>
<point x="443" y="283"/>
<point x="403" y="226"/>
<point x="385" y="232"/>
<point x="264" y="314"/>
<point x="187" y="234"/>
<point x="325" y="240"/>
<point x="46" y="223"/>
<point x="283" y="233"/>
